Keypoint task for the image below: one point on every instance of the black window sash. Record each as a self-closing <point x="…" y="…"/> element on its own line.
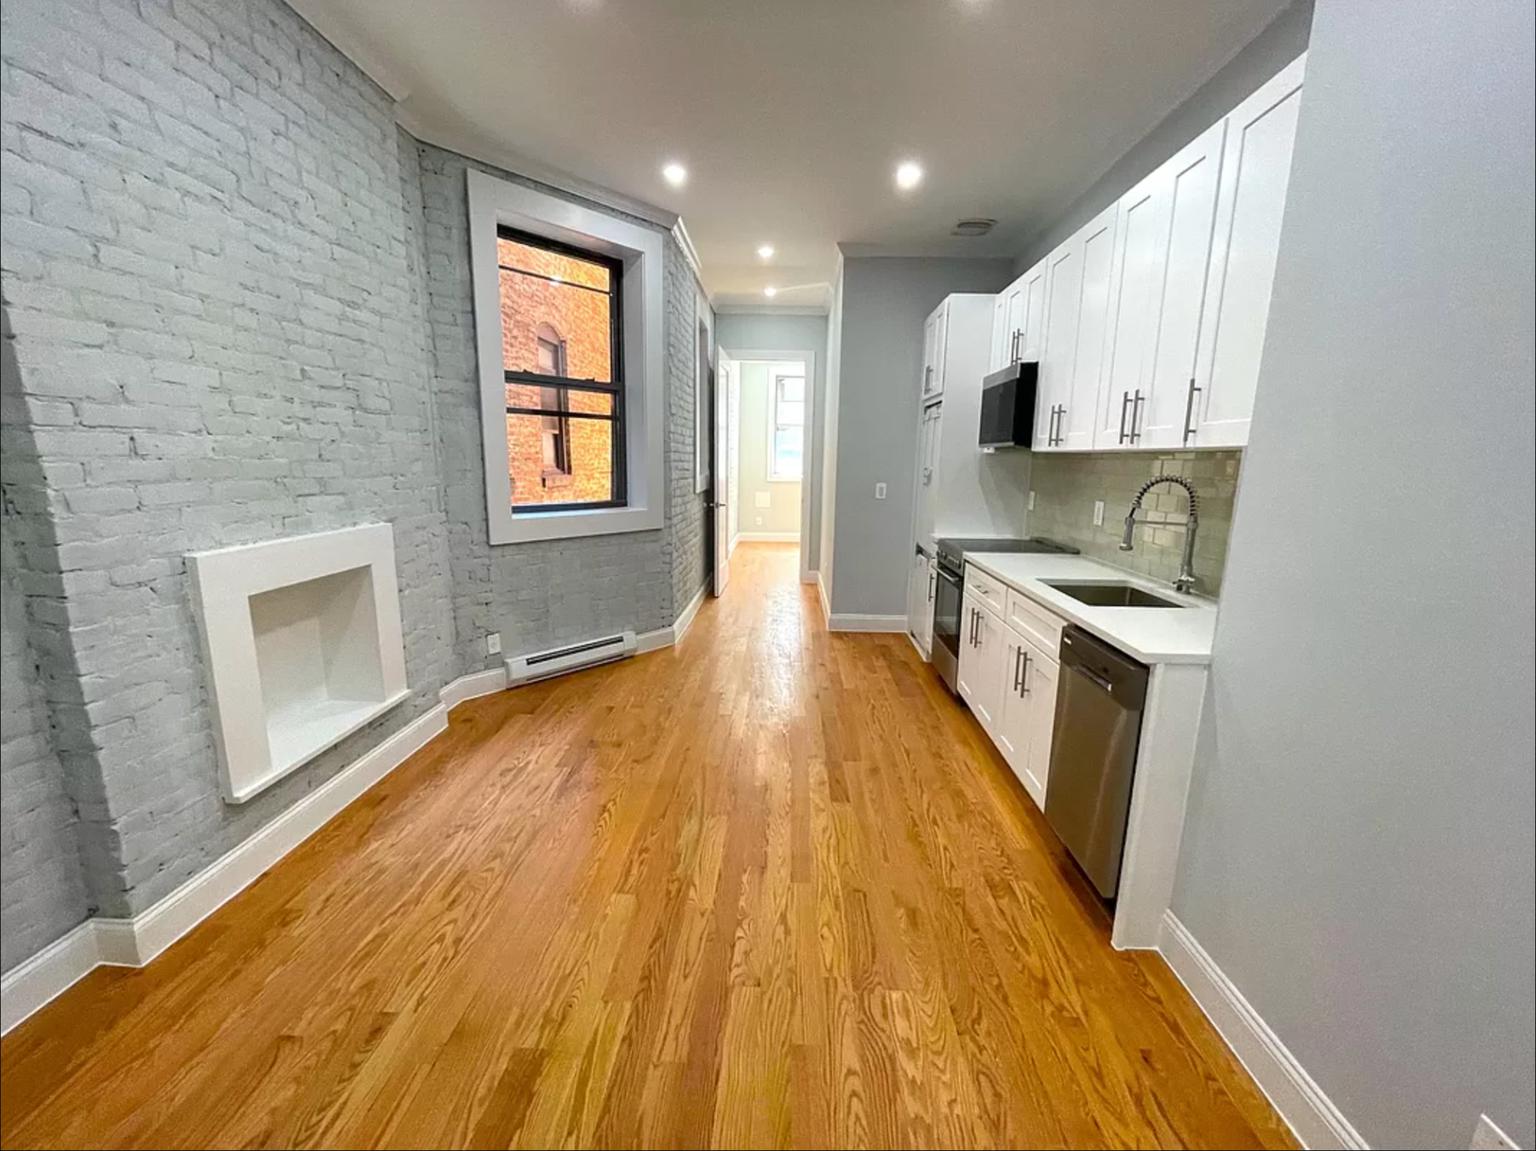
<point x="615" y="386"/>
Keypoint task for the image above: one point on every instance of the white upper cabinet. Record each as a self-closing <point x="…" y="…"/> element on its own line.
<point x="1077" y="420"/>
<point x="997" y="357"/>
<point x="1077" y="310"/>
<point x="1255" y="173"/>
<point x="1163" y="256"/>
<point x="1031" y="313"/>
<point x="1058" y="346"/>
<point x="935" y="335"/>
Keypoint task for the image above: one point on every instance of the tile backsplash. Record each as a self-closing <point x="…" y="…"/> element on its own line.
<point x="1067" y="485"/>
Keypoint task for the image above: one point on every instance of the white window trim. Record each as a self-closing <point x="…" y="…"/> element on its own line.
<point x="641" y="249"/>
<point x="775" y="371"/>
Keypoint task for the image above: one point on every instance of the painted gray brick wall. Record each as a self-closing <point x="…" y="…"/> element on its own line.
<point x="42" y="893"/>
<point x="556" y="591"/>
<point x="208" y="274"/>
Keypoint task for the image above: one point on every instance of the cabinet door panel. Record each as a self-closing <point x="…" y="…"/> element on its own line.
<point x="1042" y="675"/>
<point x="1058" y="350"/>
<point x="1255" y="176"/>
<point x="1193" y="183"/>
<point x="1140" y="236"/>
<point x="1075" y="427"/>
<point x="1011" y="732"/>
<point x="1032" y="313"/>
<point x="1000" y="333"/>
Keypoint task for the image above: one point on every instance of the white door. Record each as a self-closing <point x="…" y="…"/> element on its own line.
<point x="1255" y="175"/>
<point x="725" y="493"/>
<point x="1058" y="346"/>
<point x="1076" y="423"/>
<point x="1193" y="180"/>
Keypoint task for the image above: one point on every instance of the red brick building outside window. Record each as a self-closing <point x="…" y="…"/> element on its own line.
<point x="559" y="347"/>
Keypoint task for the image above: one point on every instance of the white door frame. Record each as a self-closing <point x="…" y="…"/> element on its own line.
<point x="722" y="490"/>
<point x="806" y="357"/>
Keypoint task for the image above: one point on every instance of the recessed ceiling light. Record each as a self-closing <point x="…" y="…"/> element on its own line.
<point x="765" y="252"/>
<point x="675" y="174"/>
<point x="909" y="174"/>
<point x="770" y="291"/>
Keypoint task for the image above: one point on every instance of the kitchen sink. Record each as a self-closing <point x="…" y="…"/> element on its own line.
<point x="1110" y="594"/>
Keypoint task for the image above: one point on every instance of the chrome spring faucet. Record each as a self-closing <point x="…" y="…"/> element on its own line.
<point x="1185" y="581"/>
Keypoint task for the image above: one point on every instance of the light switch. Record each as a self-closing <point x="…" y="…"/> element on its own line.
<point x="879" y="491"/>
<point x="493" y="643"/>
<point x="1031" y="499"/>
<point x="1098" y="513"/>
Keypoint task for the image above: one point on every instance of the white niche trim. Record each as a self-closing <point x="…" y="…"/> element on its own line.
<point x="302" y="642"/>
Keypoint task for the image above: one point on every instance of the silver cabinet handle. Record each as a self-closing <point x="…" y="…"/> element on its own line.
<point x="1018" y="675"/>
<point x="1189" y="410"/>
<point x="1136" y="417"/>
<point x="1125" y="403"/>
<point x="1013" y="347"/>
<point x="927" y="379"/>
<point x="932" y="578"/>
<point x="1061" y="423"/>
<point x="1024" y="682"/>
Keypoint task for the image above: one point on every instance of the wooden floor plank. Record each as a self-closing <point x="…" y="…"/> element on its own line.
<point x="772" y="887"/>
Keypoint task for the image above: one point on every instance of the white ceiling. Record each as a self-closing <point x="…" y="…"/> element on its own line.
<point x="792" y="114"/>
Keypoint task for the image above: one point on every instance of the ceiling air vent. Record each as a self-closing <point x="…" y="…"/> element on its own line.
<point x="975" y="226"/>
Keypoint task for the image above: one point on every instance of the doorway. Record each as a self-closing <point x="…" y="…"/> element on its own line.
<point x="767" y="425"/>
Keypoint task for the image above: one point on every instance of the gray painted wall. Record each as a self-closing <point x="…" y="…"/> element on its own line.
<point x="1281" y="42"/>
<point x="206" y="271"/>
<point x="884" y="303"/>
<point x="748" y="332"/>
<point x="42" y="893"/>
<point x="1358" y="851"/>
<point x="220" y="260"/>
<point x="554" y="591"/>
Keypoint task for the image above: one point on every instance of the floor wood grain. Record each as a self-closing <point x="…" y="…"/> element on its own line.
<point x="770" y="888"/>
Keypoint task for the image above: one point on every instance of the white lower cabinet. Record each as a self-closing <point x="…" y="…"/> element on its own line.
<point x="980" y="674"/>
<point x="1009" y="681"/>
<point x="920" y="589"/>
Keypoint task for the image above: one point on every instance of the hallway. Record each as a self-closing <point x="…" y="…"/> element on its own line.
<point x="770" y="887"/>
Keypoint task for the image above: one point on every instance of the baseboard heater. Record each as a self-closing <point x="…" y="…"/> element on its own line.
<point x="559" y="660"/>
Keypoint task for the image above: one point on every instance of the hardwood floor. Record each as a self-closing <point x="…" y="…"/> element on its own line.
<point x="770" y="888"/>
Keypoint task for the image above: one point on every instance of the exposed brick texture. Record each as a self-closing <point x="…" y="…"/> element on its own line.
<point x="207" y="273"/>
<point x="240" y="299"/>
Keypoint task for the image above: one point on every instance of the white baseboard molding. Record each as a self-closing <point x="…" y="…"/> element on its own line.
<point x="826" y="601"/>
<point x="473" y="686"/>
<point x="1312" y="1116"/>
<point x="768" y="537"/>
<point x="881" y="623"/>
<point x="134" y="942"/>
<point x="811" y="577"/>
<point x="37" y="981"/>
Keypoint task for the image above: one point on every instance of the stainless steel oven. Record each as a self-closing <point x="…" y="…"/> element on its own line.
<point x="949" y="586"/>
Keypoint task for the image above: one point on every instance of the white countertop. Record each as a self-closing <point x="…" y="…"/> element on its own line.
<point x="1150" y="634"/>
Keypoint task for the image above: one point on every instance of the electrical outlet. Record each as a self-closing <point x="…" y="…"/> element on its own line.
<point x="493" y="643"/>
<point x="879" y="491"/>
<point x="1098" y="513"/>
<point x="1488" y="1137"/>
<point x="1031" y="499"/>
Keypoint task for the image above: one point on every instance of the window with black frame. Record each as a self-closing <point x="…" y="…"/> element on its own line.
<point x="561" y="356"/>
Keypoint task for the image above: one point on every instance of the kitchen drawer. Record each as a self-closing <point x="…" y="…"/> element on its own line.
<point x="988" y="590"/>
<point x="1036" y="623"/>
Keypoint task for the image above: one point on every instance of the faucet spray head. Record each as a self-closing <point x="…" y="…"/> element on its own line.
<point x="1128" y="540"/>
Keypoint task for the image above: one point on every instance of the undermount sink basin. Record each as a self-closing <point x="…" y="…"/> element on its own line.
<point x="1110" y="594"/>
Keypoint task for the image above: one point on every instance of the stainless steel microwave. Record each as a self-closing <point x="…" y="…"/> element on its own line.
<point x="1008" y="406"/>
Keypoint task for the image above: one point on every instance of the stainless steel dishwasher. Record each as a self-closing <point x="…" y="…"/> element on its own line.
<point x="1093" y="753"/>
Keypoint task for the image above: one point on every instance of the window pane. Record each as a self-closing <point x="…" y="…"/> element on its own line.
<point x="786" y="453"/>
<point x="792" y="388"/>
<point x="533" y="309"/>
<point x="791" y="414"/>
<point x="554" y="265"/>
<point x="559" y="460"/>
